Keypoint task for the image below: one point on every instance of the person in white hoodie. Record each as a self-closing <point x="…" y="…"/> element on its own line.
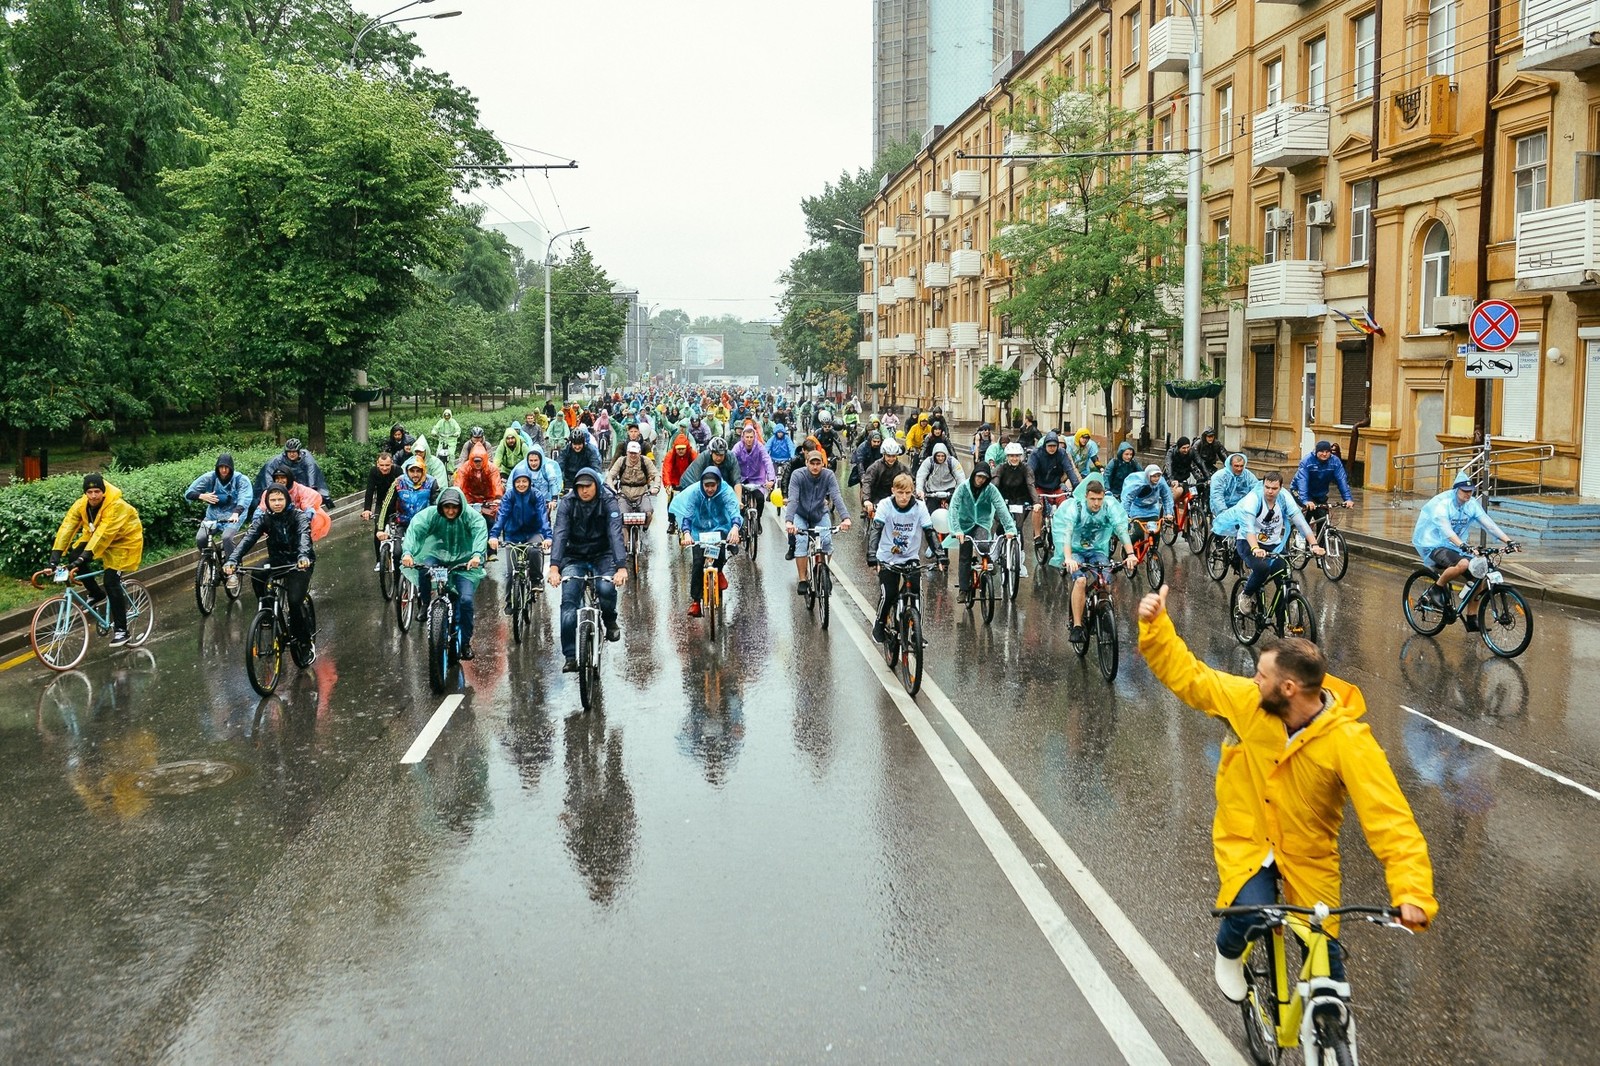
<point x="938" y="477"/>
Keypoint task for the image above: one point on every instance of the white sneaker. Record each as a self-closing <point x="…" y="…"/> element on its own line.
<point x="1230" y="976"/>
<point x="1022" y="570"/>
<point x="1245" y="604"/>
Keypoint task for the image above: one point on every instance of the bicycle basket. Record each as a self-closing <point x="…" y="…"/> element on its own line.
<point x="633" y="518"/>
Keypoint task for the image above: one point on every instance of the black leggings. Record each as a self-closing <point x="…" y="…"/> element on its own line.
<point x="296" y="585"/>
<point x="889" y="590"/>
<point x="118" y="596"/>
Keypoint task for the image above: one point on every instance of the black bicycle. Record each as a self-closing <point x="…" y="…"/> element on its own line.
<point x="819" y="579"/>
<point x="389" y="577"/>
<point x="633" y="524"/>
<point x="1279" y="603"/>
<point x="1336" y="559"/>
<point x="208" y="571"/>
<point x="1099" y="621"/>
<point x="903" y="643"/>
<point x="750" y="510"/>
<point x="523" y="587"/>
<point x="589" y="642"/>
<point x="444" y="625"/>
<point x="1505" y="621"/>
<point x="271" y="631"/>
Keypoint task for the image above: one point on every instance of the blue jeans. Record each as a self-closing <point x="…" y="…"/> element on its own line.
<point x="1236" y="928"/>
<point x="1259" y="568"/>
<point x="802" y="544"/>
<point x="465" y="591"/>
<point x="572" y="596"/>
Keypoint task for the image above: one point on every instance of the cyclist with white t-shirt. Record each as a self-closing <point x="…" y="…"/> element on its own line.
<point x="901" y="528"/>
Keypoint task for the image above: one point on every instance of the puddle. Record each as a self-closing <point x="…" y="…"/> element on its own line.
<point x="187" y="777"/>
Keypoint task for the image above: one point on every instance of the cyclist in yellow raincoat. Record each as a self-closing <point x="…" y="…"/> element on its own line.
<point x="102" y="529"/>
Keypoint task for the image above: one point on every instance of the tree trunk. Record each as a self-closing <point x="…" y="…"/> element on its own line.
<point x="316" y="407"/>
<point x="1111" y="418"/>
<point x="21" y="449"/>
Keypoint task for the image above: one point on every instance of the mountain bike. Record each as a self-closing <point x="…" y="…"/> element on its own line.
<point x="1147" y="552"/>
<point x="1222" y="558"/>
<point x="589" y="641"/>
<point x="819" y="577"/>
<point x="633" y="525"/>
<point x="208" y="571"/>
<point x="1197" y="526"/>
<point x="1279" y="604"/>
<point x="903" y="646"/>
<point x="389" y="577"/>
<point x="271" y="631"/>
<point x="1180" y="514"/>
<point x="1044" y="545"/>
<point x="1099" y="621"/>
<point x="712" y="547"/>
<point x="524" y="564"/>
<point x="1504" y="619"/>
<point x="1336" y="560"/>
<point x="1314" y="1013"/>
<point x="444" y="625"/>
<point x="750" y="527"/>
<point x="59" y="632"/>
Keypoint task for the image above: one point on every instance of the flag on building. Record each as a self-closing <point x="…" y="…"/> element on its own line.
<point x="1362" y="321"/>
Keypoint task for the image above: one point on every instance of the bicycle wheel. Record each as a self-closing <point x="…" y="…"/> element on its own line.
<point x="987" y="595"/>
<point x="1337" y="561"/>
<point x="263" y="654"/>
<point x="1217" y="558"/>
<point x="1154" y="569"/>
<point x="1260" y="1006"/>
<point x="405" y="603"/>
<point x="1246" y="626"/>
<point x="1011" y="572"/>
<point x="386" y="574"/>
<point x="1105" y="643"/>
<point x="710" y="597"/>
<point x="141" y="614"/>
<point x="517" y="598"/>
<point x="1297" y="554"/>
<point x="1296" y="617"/>
<point x="1505" y="622"/>
<point x="1422" y="615"/>
<point x="1042" y="547"/>
<point x="205" y="585"/>
<point x="1332" y="1040"/>
<point x="752" y="533"/>
<point x="59" y="633"/>
<point x="1169" y="530"/>
<point x="1198" y="531"/>
<point x="588" y="669"/>
<point x="439" y="637"/>
<point x="908" y="636"/>
<point x="824" y="592"/>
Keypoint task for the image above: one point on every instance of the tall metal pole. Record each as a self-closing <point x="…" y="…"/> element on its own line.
<point x="875" y="377"/>
<point x="548" y="246"/>
<point x="1193" y="263"/>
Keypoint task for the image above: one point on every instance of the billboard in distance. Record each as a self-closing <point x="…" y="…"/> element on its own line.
<point x="701" y="351"/>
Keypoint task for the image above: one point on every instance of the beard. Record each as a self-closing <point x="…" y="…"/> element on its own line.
<point x="1275" y="703"/>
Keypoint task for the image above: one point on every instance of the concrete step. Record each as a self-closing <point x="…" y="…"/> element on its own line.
<point x="1545" y="519"/>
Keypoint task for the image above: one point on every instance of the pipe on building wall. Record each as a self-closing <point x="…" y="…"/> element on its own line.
<point x="1491" y="87"/>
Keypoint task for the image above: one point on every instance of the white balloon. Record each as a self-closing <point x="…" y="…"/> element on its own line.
<point x="941" y="521"/>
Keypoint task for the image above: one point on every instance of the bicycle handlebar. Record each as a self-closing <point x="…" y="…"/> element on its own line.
<point x="1277" y="913"/>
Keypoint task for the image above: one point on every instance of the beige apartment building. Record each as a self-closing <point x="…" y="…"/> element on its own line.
<point x="1390" y="164"/>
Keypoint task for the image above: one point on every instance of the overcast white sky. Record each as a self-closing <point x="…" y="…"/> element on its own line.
<point x="697" y="127"/>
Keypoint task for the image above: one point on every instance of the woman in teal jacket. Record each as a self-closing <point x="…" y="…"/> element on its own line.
<point x="974" y="507"/>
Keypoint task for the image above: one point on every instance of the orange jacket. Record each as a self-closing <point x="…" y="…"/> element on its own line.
<point x="480" y="485"/>
<point x="674" y="466"/>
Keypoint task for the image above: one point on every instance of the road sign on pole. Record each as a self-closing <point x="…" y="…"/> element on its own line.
<point x="1494" y="325"/>
<point x="1481" y="364"/>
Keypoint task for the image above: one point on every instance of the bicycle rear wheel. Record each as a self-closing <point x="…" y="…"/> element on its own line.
<point x="141" y="614"/>
<point x="1246" y="625"/>
<point x="908" y="636"/>
<point x="405" y="603"/>
<point x="1198" y="531"/>
<point x="1297" y="618"/>
<point x="1505" y="622"/>
<point x="1260" y="1006"/>
<point x="205" y="585"/>
<point x="1423" y="615"/>
<point x="824" y="592"/>
<point x="1169" y="531"/>
<point x="1105" y="643"/>
<point x="1042" y="547"/>
<point x="1337" y="561"/>
<point x="386" y="573"/>
<point x="263" y="653"/>
<point x="588" y="667"/>
<point x="439" y="650"/>
<point x="1154" y="569"/>
<point x="59" y="633"/>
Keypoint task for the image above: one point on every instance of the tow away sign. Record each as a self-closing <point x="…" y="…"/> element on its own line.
<point x="1481" y="364"/>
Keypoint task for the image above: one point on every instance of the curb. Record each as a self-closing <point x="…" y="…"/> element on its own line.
<point x="1526" y="583"/>
<point x="15" y="624"/>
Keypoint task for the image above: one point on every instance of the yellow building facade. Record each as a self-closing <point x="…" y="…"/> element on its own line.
<point x="1389" y="165"/>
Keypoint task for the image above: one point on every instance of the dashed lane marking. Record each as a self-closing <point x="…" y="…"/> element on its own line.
<point x="1509" y="756"/>
<point x="430" y="732"/>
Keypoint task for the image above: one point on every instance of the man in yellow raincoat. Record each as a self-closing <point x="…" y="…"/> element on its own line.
<point x="915" y="435"/>
<point x="1298" y="749"/>
<point x="103" y="529"/>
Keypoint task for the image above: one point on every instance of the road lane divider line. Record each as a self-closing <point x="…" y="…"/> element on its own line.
<point x="1208" y="1039"/>
<point x="430" y="732"/>
<point x="1118" y="1017"/>
<point x="1509" y="756"/>
<point x="17" y="660"/>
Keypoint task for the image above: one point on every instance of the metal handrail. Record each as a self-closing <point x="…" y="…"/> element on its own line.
<point x="1487" y="469"/>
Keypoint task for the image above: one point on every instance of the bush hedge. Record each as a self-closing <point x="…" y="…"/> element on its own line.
<point x="31" y="512"/>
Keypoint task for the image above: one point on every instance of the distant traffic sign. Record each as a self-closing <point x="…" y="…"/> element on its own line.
<point x="1494" y="325"/>
<point x="1481" y="364"/>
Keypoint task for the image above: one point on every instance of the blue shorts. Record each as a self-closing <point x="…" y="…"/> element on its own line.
<point x="1089" y="559"/>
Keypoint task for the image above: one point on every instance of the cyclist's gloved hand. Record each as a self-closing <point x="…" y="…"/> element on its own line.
<point x="55" y="559"/>
<point x="303" y="563"/>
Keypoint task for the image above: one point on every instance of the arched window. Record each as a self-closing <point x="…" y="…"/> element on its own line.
<point x="1435" y="270"/>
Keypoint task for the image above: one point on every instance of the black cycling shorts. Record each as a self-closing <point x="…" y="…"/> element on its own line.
<point x="1445" y="558"/>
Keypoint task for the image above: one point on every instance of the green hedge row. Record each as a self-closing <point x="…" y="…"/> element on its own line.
<point x="31" y="512"/>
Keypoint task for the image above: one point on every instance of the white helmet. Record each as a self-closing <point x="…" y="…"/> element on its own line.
<point x="1014" y="448"/>
<point x="825" y="417"/>
<point x="941" y="522"/>
<point x="891" y="447"/>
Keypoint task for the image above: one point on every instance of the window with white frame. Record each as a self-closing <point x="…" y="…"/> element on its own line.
<point x="1365" y="67"/>
<point x="1269" y="236"/>
<point x="1435" y="271"/>
<point x="1313" y="233"/>
<point x="1225" y="119"/>
<point x="1360" y="221"/>
<point x="1133" y="36"/>
<point x="1442" y="36"/>
<point x="1532" y="156"/>
<point x="1317" y="71"/>
<point x="1220" y="233"/>
<point x="1274" y="79"/>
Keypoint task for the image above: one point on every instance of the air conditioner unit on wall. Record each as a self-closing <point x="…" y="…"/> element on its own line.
<point x="1319" y="213"/>
<point x="1452" y="310"/>
<point x="1280" y="218"/>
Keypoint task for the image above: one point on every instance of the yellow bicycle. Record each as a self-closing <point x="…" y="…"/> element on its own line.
<point x="1314" y="1014"/>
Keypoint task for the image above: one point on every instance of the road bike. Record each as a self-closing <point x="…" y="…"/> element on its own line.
<point x="819" y="577"/>
<point x="633" y="525"/>
<point x="59" y="633"/>
<point x="712" y="547"/>
<point x="903" y="643"/>
<point x="271" y="631"/>
<point x="1099" y="621"/>
<point x="524" y="565"/>
<point x="389" y="577"/>
<point x="1279" y="603"/>
<point x="750" y="527"/>
<point x="1147" y="552"/>
<point x="1314" y="1013"/>
<point x="1504" y="619"/>
<point x="444" y="625"/>
<point x="589" y="641"/>
<point x="1336" y="561"/>
<point x="208" y="571"/>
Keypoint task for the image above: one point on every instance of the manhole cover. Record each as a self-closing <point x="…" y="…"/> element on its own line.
<point x="187" y="777"/>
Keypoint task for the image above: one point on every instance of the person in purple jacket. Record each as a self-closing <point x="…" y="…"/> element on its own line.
<point x="756" y="475"/>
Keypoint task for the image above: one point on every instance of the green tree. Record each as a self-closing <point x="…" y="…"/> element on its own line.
<point x="1096" y="244"/>
<point x="485" y="274"/>
<point x="998" y="384"/>
<point x="587" y="320"/>
<point x="315" y="211"/>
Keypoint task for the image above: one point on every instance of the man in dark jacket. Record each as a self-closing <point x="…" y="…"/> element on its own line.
<point x="288" y="534"/>
<point x="305" y="468"/>
<point x="1210" y="453"/>
<point x="587" y="542"/>
<point x="579" y="454"/>
<point x="717" y="455"/>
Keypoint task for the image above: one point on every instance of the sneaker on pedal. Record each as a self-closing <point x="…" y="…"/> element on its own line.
<point x="1075" y="634"/>
<point x="1471" y="622"/>
<point x="694" y="609"/>
<point x="1230" y="976"/>
<point x="803" y="586"/>
<point x="1022" y="569"/>
<point x="1245" y="604"/>
<point x="233" y="582"/>
<point x="466" y="652"/>
<point x="570" y="666"/>
<point x="879" y="634"/>
<point x="119" y="637"/>
<point x="377" y="566"/>
<point x="613" y="632"/>
<point x="789" y="555"/>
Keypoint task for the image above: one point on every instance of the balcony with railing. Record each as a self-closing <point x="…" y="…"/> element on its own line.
<point x="1558" y="248"/>
<point x="1171" y="42"/>
<point x="1560" y="35"/>
<point x="936" y="275"/>
<point x="964" y="335"/>
<point x="1288" y="135"/>
<point x="905" y="288"/>
<point x="1289" y="288"/>
<point x="966" y="263"/>
<point x="936" y="204"/>
<point x="866" y="303"/>
<point x="936" y="339"/>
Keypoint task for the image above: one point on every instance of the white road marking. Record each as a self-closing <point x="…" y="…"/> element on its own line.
<point x="1203" y="1033"/>
<point x="1116" y="1015"/>
<point x="430" y="732"/>
<point x="1510" y="756"/>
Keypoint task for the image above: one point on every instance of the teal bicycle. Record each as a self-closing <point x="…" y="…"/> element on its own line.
<point x="60" y="630"/>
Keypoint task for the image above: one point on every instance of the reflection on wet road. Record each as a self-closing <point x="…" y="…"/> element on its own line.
<point x="754" y="850"/>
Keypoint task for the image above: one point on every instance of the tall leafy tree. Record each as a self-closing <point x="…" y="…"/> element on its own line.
<point x="485" y="274"/>
<point x="587" y="319"/>
<point x="315" y="211"/>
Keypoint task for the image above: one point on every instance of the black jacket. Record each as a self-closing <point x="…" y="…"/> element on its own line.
<point x="589" y="532"/>
<point x="378" y="486"/>
<point x="288" y="536"/>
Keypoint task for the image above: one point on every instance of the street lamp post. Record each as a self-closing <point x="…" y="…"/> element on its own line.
<point x="841" y="224"/>
<point x="548" y="245"/>
<point x="383" y="20"/>
<point x="1193" y="265"/>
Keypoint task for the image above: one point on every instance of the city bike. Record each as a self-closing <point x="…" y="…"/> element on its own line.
<point x="1313" y="1013"/>
<point x="589" y="641"/>
<point x="1099" y="621"/>
<point x="985" y="573"/>
<point x="1045" y="544"/>
<point x="271" y="631"/>
<point x="1503" y="617"/>
<point x="1010" y="559"/>
<point x="208" y="571"/>
<point x="59" y="633"/>
<point x="1279" y="603"/>
<point x="633" y="537"/>
<point x="1147" y="552"/>
<point x="750" y="527"/>
<point x="524" y="562"/>
<point x="444" y="624"/>
<point x="1336" y="561"/>
<point x="819" y="577"/>
<point x="903" y="643"/>
<point x="389" y="577"/>
<point x="712" y="547"/>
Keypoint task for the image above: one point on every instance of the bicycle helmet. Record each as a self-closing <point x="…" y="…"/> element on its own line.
<point x="292" y="444"/>
<point x="477" y="432"/>
<point x="891" y="447"/>
<point x="826" y="418"/>
<point x="718" y="444"/>
<point x="1013" y="448"/>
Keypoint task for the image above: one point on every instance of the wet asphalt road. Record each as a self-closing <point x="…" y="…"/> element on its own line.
<point x="751" y="854"/>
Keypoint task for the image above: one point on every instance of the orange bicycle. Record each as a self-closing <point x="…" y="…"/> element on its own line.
<point x="1147" y="557"/>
